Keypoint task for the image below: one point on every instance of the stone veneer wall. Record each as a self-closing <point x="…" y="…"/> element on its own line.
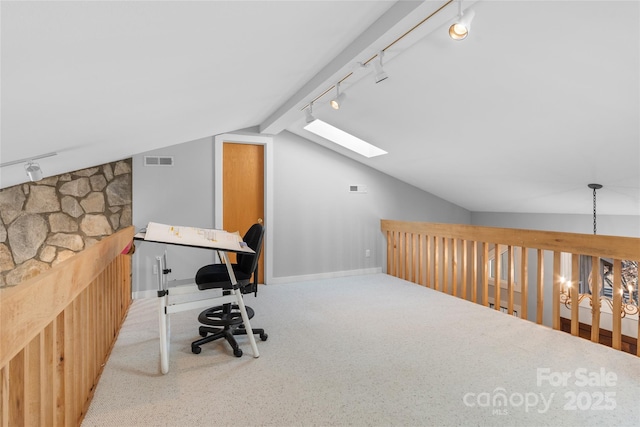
<point x="43" y="223"/>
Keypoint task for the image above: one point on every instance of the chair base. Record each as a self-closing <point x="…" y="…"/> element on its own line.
<point x="224" y="321"/>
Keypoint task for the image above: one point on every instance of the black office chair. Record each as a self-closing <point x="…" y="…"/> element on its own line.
<point x="225" y="321"/>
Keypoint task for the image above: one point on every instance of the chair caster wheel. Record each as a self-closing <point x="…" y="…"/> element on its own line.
<point x="196" y="350"/>
<point x="264" y="337"/>
<point x="237" y="353"/>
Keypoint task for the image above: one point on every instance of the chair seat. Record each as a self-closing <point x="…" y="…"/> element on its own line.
<point x="216" y="276"/>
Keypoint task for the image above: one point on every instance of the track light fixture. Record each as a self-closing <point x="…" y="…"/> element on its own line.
<point x="31" y="168"/>
<point x="33" y="171"/>
<point x="309" y="113"/>
<point x="380" y="75"/>
<point x="459" y="30"/>
<point x="336" y="102"/>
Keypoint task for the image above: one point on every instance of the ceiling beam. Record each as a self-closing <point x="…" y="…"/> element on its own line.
<point x="402" y="15"/>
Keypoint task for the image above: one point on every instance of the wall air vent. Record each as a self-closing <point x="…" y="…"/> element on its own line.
<point x="158" y="160"/>
<point x="357" y="188"/>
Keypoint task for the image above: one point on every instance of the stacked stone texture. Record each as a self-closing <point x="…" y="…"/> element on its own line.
<point x="43" y="223"/>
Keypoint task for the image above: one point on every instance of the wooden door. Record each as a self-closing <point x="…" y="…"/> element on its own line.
<point x="243" y="190"/>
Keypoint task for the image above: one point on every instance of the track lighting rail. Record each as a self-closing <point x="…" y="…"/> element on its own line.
<point x="366" y="63"/>
<point x="28" y="159"/>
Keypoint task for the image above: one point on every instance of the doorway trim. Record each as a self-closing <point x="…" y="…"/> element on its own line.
<point x="238" y="138"/>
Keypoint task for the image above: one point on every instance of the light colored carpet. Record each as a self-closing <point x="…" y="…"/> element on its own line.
<point x="366" y="351"/>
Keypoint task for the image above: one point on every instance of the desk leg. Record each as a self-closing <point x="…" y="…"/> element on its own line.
<point x="163" y="318"/>
<point x="164" y="332"/>
<point x="240" y="301"/>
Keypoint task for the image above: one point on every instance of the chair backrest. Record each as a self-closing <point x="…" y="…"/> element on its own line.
<point x="247" y="263"/>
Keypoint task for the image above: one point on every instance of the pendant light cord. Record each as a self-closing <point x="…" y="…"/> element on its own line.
<point x="594" y="187"/>
<point x="594" y="211"/>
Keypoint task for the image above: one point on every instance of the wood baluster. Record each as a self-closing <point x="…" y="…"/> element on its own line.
<point x="557" y="286"/>
<point x="524" y="282"/>
<point x="616" y="310"/>
<point x="574" y="292"/>
<point x="465" y="269"/>
<point x="540" y="294"/>
<point x="436" y="263"/>
<point x="429" y="269"/>
<point x="497" y="282"/>
<point x="485" y="274"/>
<point x="421" y="260"/>
<point x="510" y="272"/>
<point x="595" y="299"/>
<point x="474" y="271"/>
<point x="445" y="265"/>
<point x="454" y="267"/>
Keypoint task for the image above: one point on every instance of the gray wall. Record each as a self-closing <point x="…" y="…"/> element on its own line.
<point x="612" y="225"/>
<point x="322" y="227"/>
<point x="178" y="195"/>
<point x="319" y="228"/>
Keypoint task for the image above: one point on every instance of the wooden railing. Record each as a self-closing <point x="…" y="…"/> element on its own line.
<point x="461" y="260"/>
<point x="56" y="332"/>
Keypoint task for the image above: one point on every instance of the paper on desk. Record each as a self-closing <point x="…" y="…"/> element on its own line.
<point x="193" y="236"/>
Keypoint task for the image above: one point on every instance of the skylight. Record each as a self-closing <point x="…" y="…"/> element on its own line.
<point x="343" y="138"/>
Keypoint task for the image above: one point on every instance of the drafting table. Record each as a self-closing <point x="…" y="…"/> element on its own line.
<point x="217" y="240"/>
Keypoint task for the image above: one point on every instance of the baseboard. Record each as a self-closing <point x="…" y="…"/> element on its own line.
<point x="320" y="276"/>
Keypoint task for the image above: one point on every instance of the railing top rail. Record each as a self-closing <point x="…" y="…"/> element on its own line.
<point x="626" y="248"/>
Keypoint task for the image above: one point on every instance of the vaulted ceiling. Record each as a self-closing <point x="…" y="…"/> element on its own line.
<point x="541" y="99"/>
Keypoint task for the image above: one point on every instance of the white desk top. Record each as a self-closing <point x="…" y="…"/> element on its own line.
<point x="193" y="236"/>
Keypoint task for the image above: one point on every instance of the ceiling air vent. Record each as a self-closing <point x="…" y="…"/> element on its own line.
<point x="158" y="160"/>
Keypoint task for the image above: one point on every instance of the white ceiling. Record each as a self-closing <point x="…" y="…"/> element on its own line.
<point x="540" y="100"/>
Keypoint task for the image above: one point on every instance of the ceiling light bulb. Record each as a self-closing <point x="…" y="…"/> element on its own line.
<point x="337" y="101"/>
<point x="460" y="29"/>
